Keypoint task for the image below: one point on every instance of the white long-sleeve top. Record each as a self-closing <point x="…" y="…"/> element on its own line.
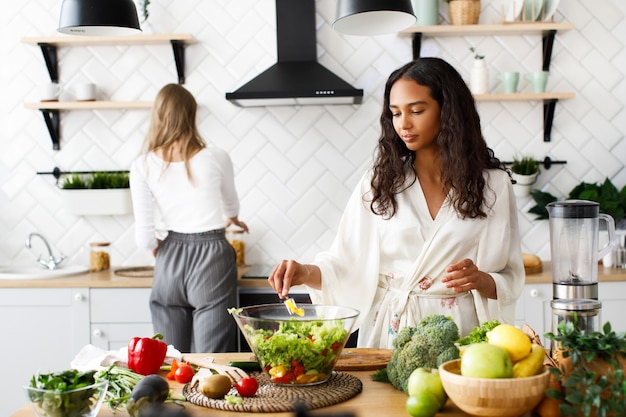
<point x="390" y="269"/>
<point x="184" y="207"/>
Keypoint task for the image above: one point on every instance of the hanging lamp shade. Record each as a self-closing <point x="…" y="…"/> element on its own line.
<point x="99" y="18"/>
<point x="373" y="17"/>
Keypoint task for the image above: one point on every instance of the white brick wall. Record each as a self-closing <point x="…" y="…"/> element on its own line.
<point x="295" y="166"/>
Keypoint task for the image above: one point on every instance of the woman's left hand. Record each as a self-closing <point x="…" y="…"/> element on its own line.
<point x="236" y="222"/>
<point x="464" y="276"/>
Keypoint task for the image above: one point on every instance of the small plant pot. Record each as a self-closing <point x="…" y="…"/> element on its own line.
<point x="116" y="201"/>
<point x="523" y="184"/>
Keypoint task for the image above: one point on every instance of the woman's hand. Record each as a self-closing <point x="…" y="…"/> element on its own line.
<point x="235" y="220"/>
<point x="464" y="276"/>
<point x="289" y="273"/>
<point x="156" y="250"/>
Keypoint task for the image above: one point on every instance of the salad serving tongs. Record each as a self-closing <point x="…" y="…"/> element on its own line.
<point x="209" y="367"/>
<point x="293" y="308"/>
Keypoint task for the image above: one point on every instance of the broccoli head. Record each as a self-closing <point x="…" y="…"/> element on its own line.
<point x="428" y="345"/>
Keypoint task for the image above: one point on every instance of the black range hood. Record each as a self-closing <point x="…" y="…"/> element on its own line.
<point x="297" y="78"/>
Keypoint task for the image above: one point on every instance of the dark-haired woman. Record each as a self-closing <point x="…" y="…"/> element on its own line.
<point x="432" y="228"/>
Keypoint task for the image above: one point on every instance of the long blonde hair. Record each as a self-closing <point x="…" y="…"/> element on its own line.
<point x="173" y="122"/>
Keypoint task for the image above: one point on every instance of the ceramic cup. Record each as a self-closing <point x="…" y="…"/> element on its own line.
<point x="85" y="92"/>
<point x="50" y="92"/>
<point x="426" y="11"/>
<point x="509" y="81"/>
<point x="538" y="80"/>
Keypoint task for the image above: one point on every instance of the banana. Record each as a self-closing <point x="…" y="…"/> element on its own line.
<point x="531" y="364"/>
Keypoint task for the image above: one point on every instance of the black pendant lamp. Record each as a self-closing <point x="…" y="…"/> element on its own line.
<point x="373" y="17"/>
<point x="99" y="18"/>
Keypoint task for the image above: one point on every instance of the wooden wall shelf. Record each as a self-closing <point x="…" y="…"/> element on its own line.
<point x="88" y="105"/>
<point x="548" y="32"/>
<point x="49" y="44"/>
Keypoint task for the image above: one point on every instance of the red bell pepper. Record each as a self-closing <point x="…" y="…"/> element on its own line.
<point x="146" y="355"/>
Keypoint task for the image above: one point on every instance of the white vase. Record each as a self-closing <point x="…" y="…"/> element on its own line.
<point x="479" y="77"/>
<point x="523" y="184"/>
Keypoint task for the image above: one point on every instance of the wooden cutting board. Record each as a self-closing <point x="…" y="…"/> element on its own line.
<point x="363" y="359"/>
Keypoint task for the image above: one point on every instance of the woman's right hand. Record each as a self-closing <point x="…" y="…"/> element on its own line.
<point x="289" y="273"/>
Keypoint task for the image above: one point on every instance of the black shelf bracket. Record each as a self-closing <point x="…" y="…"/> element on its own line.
<point x="417" y="45"/>
<point x="53" y="122"/>
<point x="57" y="173"/>
<point x="548" y="116"/>
<point x="49" y="52"/>
<point x="548" y="42"/>
<point x="178" y="48"/>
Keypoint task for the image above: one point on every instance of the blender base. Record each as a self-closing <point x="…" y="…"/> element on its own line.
<point x="575" y="292"/>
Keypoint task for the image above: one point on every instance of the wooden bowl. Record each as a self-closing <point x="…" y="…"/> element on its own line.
<point x="497" y="397"/>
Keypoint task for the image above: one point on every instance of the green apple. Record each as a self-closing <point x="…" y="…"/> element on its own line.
<point x="424" y="404"/>
<point x="425" y="379"/>
<point x="484" y="360"/>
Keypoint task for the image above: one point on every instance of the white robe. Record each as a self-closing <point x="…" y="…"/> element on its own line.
<point x="390" y="270"/>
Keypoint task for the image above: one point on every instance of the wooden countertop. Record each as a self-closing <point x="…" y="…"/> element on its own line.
<point x="377" y="399"/>
<point x="604" y="275"/>
<point x="108" y="279"/>
<point x="102" y="279"/>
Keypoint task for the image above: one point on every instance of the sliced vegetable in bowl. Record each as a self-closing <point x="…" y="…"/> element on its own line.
<point x="294" y="349"/>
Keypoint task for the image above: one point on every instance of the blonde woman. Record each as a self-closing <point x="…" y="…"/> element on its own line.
<point x="193" y="188"/>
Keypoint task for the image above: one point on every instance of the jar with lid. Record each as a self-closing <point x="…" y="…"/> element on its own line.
<point x="235" y="237"/>
<point x="99" y="256"/>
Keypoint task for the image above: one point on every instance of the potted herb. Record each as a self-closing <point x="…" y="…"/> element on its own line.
<point x="97" y="193"/>
<point x="524" y="172"/>
<point x="590" y="368"/>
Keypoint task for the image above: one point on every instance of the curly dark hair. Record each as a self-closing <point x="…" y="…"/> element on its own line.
<point x="464" y="152"/>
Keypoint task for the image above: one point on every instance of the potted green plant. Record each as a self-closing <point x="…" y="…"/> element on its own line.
<point x="612" y="201"/>
<point x="524" y="172"/>
<point x="97" y="193"/>
<point x="590" y="369"/>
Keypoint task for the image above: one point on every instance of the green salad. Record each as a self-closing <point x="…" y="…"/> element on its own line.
<point x="299" y="352"/>
<point x="62" y="394"/>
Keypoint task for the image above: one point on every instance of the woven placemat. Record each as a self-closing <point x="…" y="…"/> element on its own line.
<point x="272" y="398"/>
<point x="136" y="272"/>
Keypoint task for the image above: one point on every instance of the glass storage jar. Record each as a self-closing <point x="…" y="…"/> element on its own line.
<point x="99" y="256"/>
<point x="235" y="237"/>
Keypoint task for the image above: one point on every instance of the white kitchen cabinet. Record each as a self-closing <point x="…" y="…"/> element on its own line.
<point x="533" y="306"/>
<point x="42" y="330"/>
<point x="119" y="314"/>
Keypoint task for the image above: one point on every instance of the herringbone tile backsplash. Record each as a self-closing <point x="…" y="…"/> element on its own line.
<point x="295" y="166"/>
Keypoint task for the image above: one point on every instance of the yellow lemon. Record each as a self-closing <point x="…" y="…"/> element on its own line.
<point x="511" y="339"/>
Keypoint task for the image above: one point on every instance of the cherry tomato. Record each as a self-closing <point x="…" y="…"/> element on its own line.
<point x="184" y="373"/>
<point x="247" y="387"/>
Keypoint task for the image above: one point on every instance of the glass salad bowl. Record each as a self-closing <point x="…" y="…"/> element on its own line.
<point x="299" y="349"/>
<point x="80" y="402"/>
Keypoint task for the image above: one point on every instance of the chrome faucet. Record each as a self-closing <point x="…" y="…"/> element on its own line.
<point x="52" y="262"/>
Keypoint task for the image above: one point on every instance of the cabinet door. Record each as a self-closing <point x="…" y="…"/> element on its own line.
<point x="113" y="336"/>
<point x="120" y="305"/>
<point x="613" y="298"/>
<point x="119" y="314"/>
<point x="537" y="310"/>
<point x="42" y="330"/>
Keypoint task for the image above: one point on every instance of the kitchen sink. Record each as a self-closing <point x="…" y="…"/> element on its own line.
<point x="37" y="272"/>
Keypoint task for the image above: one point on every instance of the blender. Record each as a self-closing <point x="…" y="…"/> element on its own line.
<point x="574" y="240"/>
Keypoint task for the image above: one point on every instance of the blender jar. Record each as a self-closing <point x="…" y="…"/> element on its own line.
<point x="574" y="240"/>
